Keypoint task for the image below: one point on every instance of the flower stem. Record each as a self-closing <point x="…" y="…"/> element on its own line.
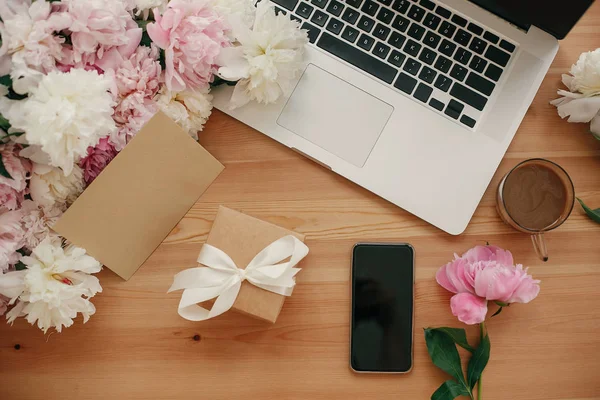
<point x="479" y="386"/>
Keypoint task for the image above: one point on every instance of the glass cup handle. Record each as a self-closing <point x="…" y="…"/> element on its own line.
<point x="540" y="246"/>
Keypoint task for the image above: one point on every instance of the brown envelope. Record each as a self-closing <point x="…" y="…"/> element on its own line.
<point x="242" y="237"/>
<point x="136" y="201"/>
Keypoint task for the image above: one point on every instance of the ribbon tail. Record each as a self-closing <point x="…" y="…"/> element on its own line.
<point x="194" y="312"/>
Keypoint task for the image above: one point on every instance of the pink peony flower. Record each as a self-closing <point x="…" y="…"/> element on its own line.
<point x="131" y="114"/>
<point x="506" y="284"/>
<point x="97" y="159"/>
<point x="12" y="191"/>
<point x="99" y="27"/>
<point x="469" y="308"/>
<point x="11" y="238"/>
<point x="192" y="35"/>
<point x="139" y="73"/>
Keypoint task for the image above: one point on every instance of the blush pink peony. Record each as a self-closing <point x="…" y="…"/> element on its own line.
<point x="481" y="274"/>
<point x="139" y="73"/>
<point x="97" y="159"/>
<point x="192" y="35"/>
<point x="11" y="238"/>
<point x="13" y="190"/>
<point x="131" y="114"/>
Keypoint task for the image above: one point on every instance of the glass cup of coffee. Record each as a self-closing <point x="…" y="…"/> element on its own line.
<point x="535" y="197"/>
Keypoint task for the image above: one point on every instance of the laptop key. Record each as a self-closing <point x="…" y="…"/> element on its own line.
<point x="454" y="108"/>
<point x="493" y="72"/>
<point x="427" y="74"/>
<point x="476" y="29"/>
<point x="427" y="56"/>
<point x="432" y="21"/>
<point x="507" y="46"/>
<point x="463" y="56"/>
<point x="416" y="13"/>
<point x="335" y="25"/>
<point x="432" y="39"/>
<point x="412" y="66"/>
<point x="354" y="3"/>
<point x="416" y="31"/>
<point x="458" y="20"/>
<point x="381" y="32"/>
<point x="480" y="84"/>
<point x="370" y="7"/>
<point x="401" y="6"/>
<point x="496" y="55"/>
<point x="467" y="95"/>
<point x="400" y="23"/>
<point x="405" y="83"/>
<point x="319" y="3"/>
<point x="478" y="64"/>
<point x="443" y="83"/>
<point x="335" y="8"/>
<point x="447" y="29"/>
<point x="350" y="34"/>
<point x="350" y="15"/>
<point x="313" y="31"/>
<point x="447" y="47"/>
<point x="365" y="23"/>
<point x="386" y="2"/>
<point x="443" y="12"/>
<point x="412" y="48"/>
<point x="443" y="64"/>
<point x="435" y="103"/>
<point x="427" y="4"/>
<point x="462" y="37"/>
<point x="458" y="72"/>
<point x="397" y="40"/>
<point x="490" y="37"/>
<point x="381" y="50"/>
<point x="319" y="18"/>
<point x="356" y="57"/>
<point x="385" y="15"/>
<point x="304" y="10"/>
<point x="478" y="45"/>
<point x="288" y="4"/>
<point x="365" y="42"/>
<point x="468" y="121"/>
<point x="396" y="58"/>
<point x="423" y="92"/>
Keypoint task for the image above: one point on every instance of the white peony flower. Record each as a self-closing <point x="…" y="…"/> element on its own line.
<point x="51" y="188"/>
<point x="36" y="222"/>
<point x="64" y="115"/>
<point x="190" y="108"/>
<point x="236" y="13"/>
<point x="143" y="7"/>
<point x="268" y="60"/>
<point x="585" y="105"/>
<point x="54" y="288"/>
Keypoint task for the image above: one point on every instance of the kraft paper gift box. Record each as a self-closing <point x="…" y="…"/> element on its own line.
<point x="242" y="237"/>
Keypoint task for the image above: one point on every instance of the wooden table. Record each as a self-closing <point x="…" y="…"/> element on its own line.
<point x="137" y="347"/>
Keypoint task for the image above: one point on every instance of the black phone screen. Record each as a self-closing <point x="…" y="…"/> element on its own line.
<point x="382" y="308"/>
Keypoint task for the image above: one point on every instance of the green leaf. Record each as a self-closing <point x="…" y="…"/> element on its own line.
<point x="443" y="353"/>
<point x="6" y="80"/>
<point x="3" y="170"/>
<point x="459" y="336"/>
<point x="449" y="390"/>
<point x="20" y="266"/>
<point x="4" y="124"/>
<point x="593" y="214"/>
<point x="497" y="312"/>
<point x="478" y="362"/>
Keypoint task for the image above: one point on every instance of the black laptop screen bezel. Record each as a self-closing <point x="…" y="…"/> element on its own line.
<point x="557" y="17"/>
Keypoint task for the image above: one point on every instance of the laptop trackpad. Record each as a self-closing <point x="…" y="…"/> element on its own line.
<point x="335" y="115"/>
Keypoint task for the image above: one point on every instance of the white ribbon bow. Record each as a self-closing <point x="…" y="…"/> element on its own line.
<point x="222" y="279"/>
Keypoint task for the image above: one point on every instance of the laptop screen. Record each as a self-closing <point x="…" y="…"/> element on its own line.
<point x="554" y="16"/>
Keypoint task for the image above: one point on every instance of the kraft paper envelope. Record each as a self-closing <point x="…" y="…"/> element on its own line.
<point x="129" y="209"/>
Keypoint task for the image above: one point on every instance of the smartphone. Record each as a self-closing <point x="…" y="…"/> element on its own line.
<point x="381" y="332"/>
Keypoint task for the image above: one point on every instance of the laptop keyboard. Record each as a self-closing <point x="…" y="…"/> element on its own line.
<point x="422" y="49"/>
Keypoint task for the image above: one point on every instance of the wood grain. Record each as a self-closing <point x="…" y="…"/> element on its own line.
<point x="137" y="347"/>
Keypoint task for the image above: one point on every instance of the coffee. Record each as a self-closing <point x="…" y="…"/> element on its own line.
<point x="535" y="197"/>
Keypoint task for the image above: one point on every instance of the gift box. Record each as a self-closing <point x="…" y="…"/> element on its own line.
<point x="244" y="240"/>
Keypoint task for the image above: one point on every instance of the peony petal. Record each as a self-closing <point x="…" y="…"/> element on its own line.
<point x="240" y="96"/>
<point x="134" y="37"/>
<point x="442" y="279"/>
<point x="580" y="110"/>
<point x="234" y="65"/>
<point x="469" y="308"/>
<point x="111" y="60"/>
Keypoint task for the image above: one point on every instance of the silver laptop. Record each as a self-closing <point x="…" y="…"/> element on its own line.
<point x="415" y="100"/>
